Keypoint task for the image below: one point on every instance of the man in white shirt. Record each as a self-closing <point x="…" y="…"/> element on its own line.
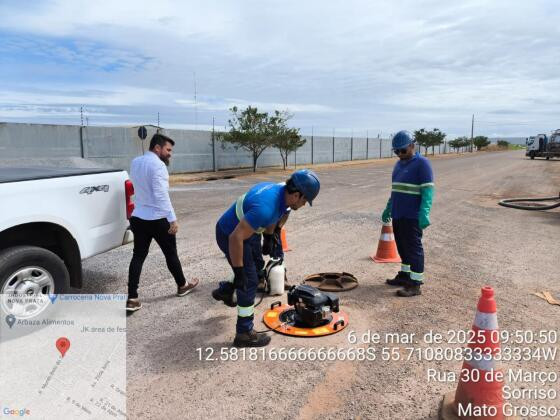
<point x="153" y="217"/>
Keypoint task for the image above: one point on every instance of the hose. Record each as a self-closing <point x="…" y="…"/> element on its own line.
<point x="508" y="203"/>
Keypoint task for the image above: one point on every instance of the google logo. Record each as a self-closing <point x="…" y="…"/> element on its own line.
<point x="18" y="413"/>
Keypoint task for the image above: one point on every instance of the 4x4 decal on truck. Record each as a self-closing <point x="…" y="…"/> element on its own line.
<point x="90" y="190"/>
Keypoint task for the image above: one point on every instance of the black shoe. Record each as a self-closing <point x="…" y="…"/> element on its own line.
<point x="228" y="297"/>
<point x="132" y="305"/>
<point x="410" y="290"/>
<point x="251" y="339"/>
<point x="401" y="279"/>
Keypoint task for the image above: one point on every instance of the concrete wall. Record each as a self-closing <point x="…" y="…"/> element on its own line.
<point x="39" y="140"/>
<point x="194" y="150"/>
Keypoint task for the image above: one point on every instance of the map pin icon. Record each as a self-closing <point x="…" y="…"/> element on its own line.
<point x="62" y="344"/>
<point x="10" y="320"/>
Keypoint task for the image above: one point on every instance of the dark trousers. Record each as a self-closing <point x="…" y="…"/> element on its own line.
<point x="408" y="237"/>
<point x="252" y="262"/>
<point x="144" y="231"/>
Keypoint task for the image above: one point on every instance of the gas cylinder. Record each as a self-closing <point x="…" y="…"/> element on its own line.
<point x="276" y="274"/>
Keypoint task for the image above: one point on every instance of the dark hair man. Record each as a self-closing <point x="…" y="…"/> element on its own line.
<point x="260" y="210"/>
<point x="153" y="217"/>
<point x="409" y="206"/>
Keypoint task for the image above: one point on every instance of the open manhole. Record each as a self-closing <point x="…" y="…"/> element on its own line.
<point x="332" y="282"/>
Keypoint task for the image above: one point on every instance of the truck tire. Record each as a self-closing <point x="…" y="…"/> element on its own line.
<point x="532" y="155"/>
<point x="32" y="270"/>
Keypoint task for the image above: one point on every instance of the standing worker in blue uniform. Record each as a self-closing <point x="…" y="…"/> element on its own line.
<point x="238" y="234"/>
<point x="409" y="207"/>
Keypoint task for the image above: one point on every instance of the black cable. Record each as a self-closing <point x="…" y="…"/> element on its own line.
<point x="508" y="203"/>
<point x="263" y="292"/>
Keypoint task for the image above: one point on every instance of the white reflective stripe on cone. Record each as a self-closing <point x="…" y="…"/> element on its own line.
<point x="481" y="361"/>
<point x="387" y="237"/>
<point x="486" y="321"/>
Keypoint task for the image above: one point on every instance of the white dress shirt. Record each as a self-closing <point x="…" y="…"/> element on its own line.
<point x="151" y="188"/>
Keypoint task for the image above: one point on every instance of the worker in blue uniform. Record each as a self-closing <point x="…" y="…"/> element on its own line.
<point x="238" y="234"/>
<point x="409" y="207"/>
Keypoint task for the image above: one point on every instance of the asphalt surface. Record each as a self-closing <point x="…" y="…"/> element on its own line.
<point x="472" y="242"/>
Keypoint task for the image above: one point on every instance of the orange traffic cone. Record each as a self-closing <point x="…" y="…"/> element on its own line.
<point x="387" y="247"/>
<point x="284" y="241"/>
<point x="479" y="393"/>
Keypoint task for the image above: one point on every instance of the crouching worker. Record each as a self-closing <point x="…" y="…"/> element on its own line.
<point x="238" y="234"/>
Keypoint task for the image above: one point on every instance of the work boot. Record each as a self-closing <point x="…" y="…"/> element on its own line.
<point x="401" y="279"/>
<point x="251" y="339"/>
<point x="412" y="289"/>
<point x="225" y="293"/>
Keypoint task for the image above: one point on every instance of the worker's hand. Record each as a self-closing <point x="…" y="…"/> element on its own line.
<point x="268" y="243"/>
<point x="386" y="216"/>
<point x="173" y="228"/>
<point x="240" y="279"/>
<point x="423" y="220"/>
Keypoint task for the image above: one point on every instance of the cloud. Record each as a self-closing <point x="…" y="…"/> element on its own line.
<point x="353" y="64"/>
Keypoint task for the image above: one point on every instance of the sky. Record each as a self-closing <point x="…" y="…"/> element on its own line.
<point x="353" y="67"/>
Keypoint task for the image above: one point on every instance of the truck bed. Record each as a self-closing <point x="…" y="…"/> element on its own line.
<point x="16" y="174"/>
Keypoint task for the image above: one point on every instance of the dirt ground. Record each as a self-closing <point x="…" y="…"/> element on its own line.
<point x="472" y="242"/>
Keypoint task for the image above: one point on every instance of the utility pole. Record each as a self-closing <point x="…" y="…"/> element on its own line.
<point x="213" y="147"/>
<point x="312" y="145"/>
<point x="472" y="133"/>
<point x="195" y="104"/>
<point x="158" y="122"/>
<point x="82" y="115"/>
<point x="367" y="143"/>
<point x="333" y="145"/>
<point x="352" y="146"/>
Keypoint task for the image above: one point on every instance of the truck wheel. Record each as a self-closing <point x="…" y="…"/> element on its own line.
<point x="30" y="270"/>
<point x="532" y="155"/>
<point x="548" y="158"/>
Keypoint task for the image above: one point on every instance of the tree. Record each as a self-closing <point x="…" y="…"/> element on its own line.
<point x="503" y="143"/>
<point x="285" y="139"/>
<point x="480" y="142"/>
<point x="459" y="142"/>
<point x="429" y="138"/>
<point x="249" y="130"/>
<point x="422" y="137"/>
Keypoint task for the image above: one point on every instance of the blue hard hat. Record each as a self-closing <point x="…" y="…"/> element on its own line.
<point x="307" y="182"/>
<point x="402" y="139"/>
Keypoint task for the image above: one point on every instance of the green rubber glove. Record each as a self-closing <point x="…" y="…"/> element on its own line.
<point x="386" y="215"/>
<point x="425" y="207"/>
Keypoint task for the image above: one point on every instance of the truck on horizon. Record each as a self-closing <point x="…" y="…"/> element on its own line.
<point x="544" y="146"/>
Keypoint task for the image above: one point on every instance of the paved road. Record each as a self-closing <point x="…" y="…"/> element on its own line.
<point x="472" y="242"/>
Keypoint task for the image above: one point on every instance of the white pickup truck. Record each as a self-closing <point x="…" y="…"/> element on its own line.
<point x="53" y="218"/>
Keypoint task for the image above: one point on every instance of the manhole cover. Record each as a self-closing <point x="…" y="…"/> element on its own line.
<point x="332" y="282"/>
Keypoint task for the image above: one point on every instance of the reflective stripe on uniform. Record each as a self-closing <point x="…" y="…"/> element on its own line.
<point x="416" y="276"/>
<point x="401" y="187"/>
<point x="245" y="311"/>
<point x="241" y="214"/>
<point x="239" y="207"/>
<point x="427" y="185"/>
<point x="405" y="268"/>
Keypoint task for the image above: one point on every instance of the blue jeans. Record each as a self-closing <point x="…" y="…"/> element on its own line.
<point x="252" y="263"/>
